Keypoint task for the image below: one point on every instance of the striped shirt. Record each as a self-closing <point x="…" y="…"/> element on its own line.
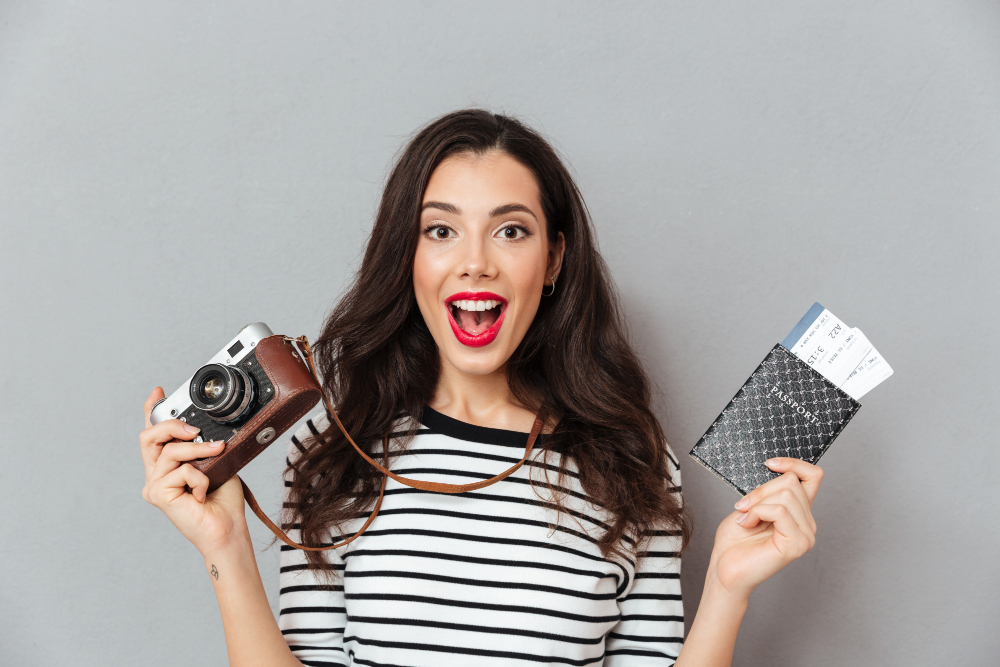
<point x="488" y="577"/>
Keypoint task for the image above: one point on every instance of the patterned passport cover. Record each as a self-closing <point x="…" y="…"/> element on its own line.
<point x="786" y="408"/>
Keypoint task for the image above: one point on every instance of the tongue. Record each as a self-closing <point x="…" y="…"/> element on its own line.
<point x="476" y="322"/>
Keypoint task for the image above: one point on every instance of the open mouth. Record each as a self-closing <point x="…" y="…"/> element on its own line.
<point x="476" y="317"/>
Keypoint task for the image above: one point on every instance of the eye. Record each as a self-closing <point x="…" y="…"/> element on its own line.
<point x="440" y="232"/>
<point x="513" y="232"/>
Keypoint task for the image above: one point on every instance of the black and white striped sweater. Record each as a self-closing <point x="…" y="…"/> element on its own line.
<point x="488" y="577"/>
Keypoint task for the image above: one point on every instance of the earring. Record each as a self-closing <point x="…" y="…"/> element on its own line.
<point x="553" y="290"/>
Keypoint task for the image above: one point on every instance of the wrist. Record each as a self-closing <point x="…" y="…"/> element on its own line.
<point x="233" y="549"/>
<point x="722" y="595"/>
<point x="234" y="565"/>
<point x="712" y="637"/>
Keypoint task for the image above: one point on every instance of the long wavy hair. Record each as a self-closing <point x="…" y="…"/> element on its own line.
<point x="379" y="361"/>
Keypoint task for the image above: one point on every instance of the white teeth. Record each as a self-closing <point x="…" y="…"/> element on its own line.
<point x="466" y="304"/>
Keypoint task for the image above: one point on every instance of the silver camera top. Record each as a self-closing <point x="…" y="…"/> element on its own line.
<point x="231" y="354"/>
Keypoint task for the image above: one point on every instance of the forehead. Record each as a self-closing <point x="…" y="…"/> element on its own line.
<point x="482" y="181"/>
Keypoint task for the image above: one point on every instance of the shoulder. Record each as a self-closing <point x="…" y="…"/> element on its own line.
<point x="674" y="467"/>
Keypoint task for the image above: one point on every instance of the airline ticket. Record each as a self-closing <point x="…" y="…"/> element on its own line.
<point x="842" y="354"/>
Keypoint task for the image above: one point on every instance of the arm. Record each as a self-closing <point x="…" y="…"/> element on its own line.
<point x="773" y="526"/>
<point x="713" y="634"/>
<point x="651" y="628"/>
<point x="252" y="634"/>
<point x="216" y="525"/>
<point x="313" y="612"/>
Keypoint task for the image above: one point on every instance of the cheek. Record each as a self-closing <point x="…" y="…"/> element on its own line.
<point x="529" y="272"/>
<point x="527" y="282"/>
<point x="428" y="276"/>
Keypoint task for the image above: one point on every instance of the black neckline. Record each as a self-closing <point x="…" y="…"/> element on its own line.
<point x="454" y="428"/>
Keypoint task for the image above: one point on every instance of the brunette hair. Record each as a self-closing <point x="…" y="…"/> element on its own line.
<point x="379" y="361"/>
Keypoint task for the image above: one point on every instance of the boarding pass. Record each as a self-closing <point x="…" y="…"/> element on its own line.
<point x="842" y="354"/>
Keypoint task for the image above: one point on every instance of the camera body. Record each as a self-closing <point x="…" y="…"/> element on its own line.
<point x="253" y="390"/>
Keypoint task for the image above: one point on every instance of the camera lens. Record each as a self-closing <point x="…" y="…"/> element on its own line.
<point x="212" y="388"/>
<point x="226" y="394"/>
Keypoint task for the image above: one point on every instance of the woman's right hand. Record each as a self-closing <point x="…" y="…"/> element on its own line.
<point x="211" y="522"/>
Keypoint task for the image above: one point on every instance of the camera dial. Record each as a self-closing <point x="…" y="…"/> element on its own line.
<point x="225" y="393"/>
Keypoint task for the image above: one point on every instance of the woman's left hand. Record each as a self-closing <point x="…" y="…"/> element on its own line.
<point x="773" y="525"/>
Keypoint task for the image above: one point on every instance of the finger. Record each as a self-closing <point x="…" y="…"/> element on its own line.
<point x="788" y="537"/>
<point x="796" y="504"/>
<point x="811" y="475"/>
<point x="153" y="398"/>
<point x="788" y="483"/>
<point x="172" y="486"/>
<point x="176" y="453"/>
<point x="170" y="430"/>
<point x="151" y="438"/>
<point x="785" y="481"/>
<point x="802" y="501"/>
<point x="165" y="431"/>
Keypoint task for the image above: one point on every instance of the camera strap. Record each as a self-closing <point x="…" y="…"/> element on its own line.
<point x="437" y="487"/>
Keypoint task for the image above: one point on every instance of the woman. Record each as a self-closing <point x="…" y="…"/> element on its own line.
<point x="481" y="302"/>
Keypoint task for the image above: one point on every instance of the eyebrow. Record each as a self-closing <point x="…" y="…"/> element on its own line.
<point x="499" y="210"/>
<point x="443" y="206"/>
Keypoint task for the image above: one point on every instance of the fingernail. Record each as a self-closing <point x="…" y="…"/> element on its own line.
<point x="191" y="429"/>
<point x="743" y="503"/>
<point x="741" y="518"/>
<point x="215" y="444"/>
<point x="770" y="463"/>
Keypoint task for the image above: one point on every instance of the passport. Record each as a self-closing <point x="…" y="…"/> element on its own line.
<point x="796" y="403"/>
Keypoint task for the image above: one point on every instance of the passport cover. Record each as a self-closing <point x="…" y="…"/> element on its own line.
<point x="786" y="408"/>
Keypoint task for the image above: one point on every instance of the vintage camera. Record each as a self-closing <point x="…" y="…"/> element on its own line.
<point x="247" y="395"/>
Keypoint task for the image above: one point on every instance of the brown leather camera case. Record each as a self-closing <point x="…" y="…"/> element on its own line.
<point x="296" y="392"/>
<point x="292" y="374"/>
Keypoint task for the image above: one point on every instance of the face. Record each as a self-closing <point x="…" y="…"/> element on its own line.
<point x="482" y="259"/>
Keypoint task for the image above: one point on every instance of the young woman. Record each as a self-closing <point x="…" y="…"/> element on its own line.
<point x="480" y="304"/>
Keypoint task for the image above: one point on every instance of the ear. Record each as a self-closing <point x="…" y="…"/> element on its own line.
<point x="556" y="252"/>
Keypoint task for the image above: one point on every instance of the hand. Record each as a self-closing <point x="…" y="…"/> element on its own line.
<point x="210" y="522"/>
<point x="773" y="525"/>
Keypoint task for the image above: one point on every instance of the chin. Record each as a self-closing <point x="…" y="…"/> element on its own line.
<point x="474" y="362"/>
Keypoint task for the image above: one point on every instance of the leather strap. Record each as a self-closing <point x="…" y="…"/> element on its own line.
<point x="437" y="487"/>
<point x="280" y="534"/>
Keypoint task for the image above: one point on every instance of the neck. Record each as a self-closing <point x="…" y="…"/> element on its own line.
<point x="483" y="400"/>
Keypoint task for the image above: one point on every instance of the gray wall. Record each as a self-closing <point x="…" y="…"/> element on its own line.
<point x="170" y="171"/>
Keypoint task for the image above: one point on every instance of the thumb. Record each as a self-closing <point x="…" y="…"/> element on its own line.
<point x="153" y="398"/>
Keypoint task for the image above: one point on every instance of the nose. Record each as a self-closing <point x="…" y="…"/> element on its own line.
<point x="477" y="262"/>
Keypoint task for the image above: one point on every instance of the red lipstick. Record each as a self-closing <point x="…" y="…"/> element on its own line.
<point x="485" y="337"/>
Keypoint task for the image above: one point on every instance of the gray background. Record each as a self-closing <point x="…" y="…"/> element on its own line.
<point x="172" y="171"/>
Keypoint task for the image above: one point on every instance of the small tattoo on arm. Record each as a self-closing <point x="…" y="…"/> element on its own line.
<point x="215" y="572"/>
